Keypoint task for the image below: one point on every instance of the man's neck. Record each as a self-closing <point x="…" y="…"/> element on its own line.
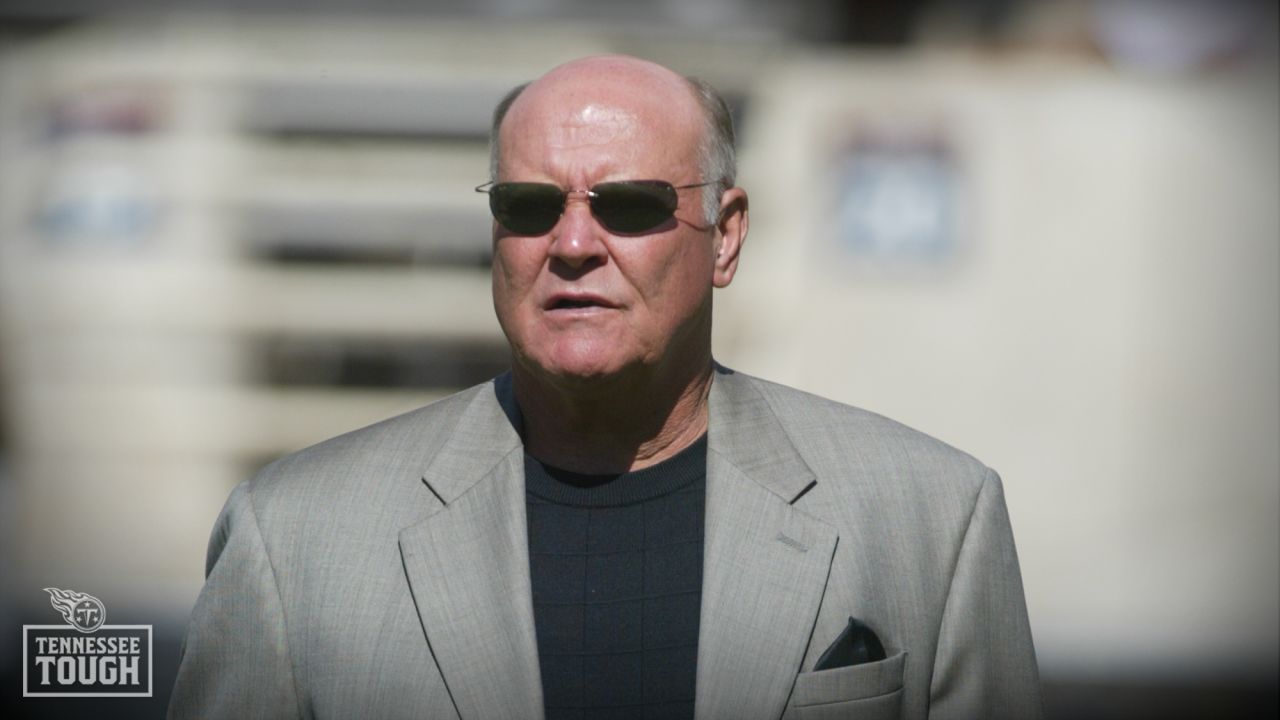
<point x="612" y="425"/>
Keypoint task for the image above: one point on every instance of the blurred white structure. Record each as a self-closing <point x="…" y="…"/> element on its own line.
<point x="1100" y="327"/>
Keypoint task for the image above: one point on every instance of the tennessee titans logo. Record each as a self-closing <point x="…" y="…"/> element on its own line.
<point x="82" y="611"/>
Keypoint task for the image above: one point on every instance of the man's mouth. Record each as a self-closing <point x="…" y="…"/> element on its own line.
<point x="565" y="302"/>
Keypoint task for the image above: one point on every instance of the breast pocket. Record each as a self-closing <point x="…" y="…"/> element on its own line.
<point x="871" y="691"/>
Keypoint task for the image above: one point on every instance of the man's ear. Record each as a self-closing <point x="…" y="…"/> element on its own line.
<point x="731" y="232"/>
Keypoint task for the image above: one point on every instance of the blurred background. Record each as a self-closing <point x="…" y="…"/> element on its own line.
<point x="1045" y="232"/>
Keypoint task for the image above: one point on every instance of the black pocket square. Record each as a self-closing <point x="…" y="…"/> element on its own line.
<point x="856" y="645"/>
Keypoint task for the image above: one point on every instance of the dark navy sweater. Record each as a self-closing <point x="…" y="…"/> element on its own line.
<point x="616" y="566"/>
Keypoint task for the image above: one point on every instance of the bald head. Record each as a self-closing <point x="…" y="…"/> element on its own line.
<point x="595" y="99"/>
<point x="602" y="76"/>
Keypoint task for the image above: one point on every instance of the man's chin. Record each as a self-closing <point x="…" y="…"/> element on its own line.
<point x="579" y="370"/>
<point x="583" y="373"/>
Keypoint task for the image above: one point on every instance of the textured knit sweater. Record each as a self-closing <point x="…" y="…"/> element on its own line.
<point x="616" y="566"/>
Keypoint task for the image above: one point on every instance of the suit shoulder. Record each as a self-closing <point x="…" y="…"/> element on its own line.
<point x="388" y="448"/>
<point x="828" y="432"/>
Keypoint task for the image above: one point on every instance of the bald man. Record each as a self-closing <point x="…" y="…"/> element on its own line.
<point x="619" y="527"/>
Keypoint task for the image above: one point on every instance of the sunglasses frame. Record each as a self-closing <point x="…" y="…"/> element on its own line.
<point x="591" y="194"/>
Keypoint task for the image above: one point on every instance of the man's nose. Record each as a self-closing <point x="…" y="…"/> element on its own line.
<point x="577" y="239"/>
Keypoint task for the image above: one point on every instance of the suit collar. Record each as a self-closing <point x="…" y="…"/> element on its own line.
<point x="744" y="428"/>
<point x="741" y="426"/>
<point x="487" y="430"/>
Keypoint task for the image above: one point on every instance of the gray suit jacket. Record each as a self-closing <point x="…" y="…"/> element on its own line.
<point x="385" y="573"/>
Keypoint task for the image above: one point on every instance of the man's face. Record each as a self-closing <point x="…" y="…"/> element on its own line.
<point x="580" y="301"/>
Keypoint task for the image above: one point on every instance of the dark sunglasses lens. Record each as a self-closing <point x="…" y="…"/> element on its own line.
<point x="526" y="208"/>
<point x="633" y="206"/>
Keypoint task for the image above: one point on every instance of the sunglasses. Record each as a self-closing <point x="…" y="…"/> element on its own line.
<point x="626" y="207"/>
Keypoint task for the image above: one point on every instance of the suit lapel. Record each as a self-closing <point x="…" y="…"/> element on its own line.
<point x="765" y="562"/>
<point x="468" y="565"/>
